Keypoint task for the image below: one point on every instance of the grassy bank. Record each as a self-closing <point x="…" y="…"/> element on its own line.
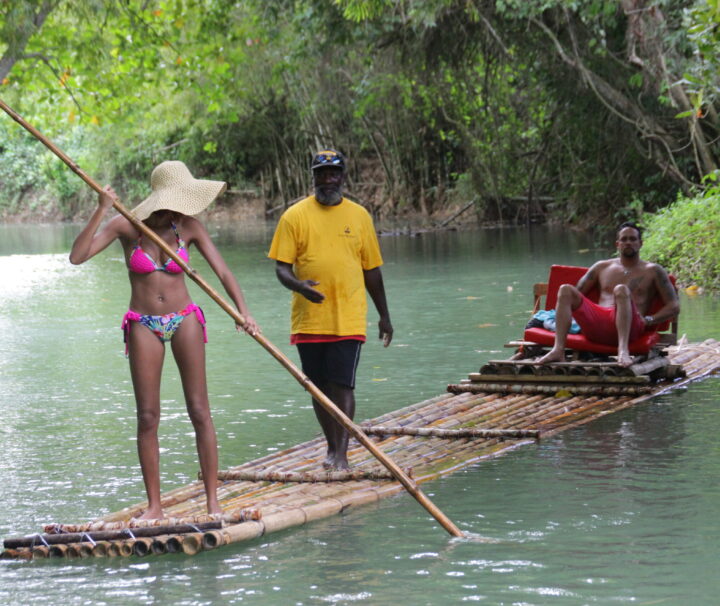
<point x="683" y="237"/>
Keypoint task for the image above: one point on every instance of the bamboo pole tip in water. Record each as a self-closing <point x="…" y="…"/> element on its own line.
<point x="57" y="551"/>
<point x="40" y="552"/>
<point x="125" y="548"/>
<point x="213" y="539"/>
<point x="100" y="549"/>
<point x="174" y="544"/>
<point x="192" y="543"/>
<point x="142" y="546"/>
<point x="113" y="549"/>
<point x="159" y="545"/>
<point x="16" y="554"/>
<point x="85" y="550"/>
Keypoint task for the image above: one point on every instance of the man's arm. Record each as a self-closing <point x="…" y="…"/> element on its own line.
<point x="287" y="277"/>
<point x="590" y="279"/>
<point x="665" y="288"/>
<point x="376" y="288"/>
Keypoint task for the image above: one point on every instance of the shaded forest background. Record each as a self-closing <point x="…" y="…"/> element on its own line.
<point x="577" y="111"/>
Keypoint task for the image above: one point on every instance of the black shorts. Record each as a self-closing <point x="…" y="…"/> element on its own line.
<point x="334" y="362"/>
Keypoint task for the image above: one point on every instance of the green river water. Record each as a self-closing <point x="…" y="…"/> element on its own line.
<point x="625" y="510"/>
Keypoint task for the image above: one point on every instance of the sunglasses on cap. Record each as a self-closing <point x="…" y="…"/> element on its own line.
<point x="327" y="158"/>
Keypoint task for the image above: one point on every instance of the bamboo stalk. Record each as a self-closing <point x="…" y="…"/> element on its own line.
<point x="643" y="368"/>
<point x="478" y="378"/>
<point x="451" y="433"/>
<point x="243" y="532"/>
<point x="551" y="389"/>
<point x="174" y="544"/>
<point x="125" y="548"/>
<point x="142" y="546"/>
<point x="113" y="549"/>
<point x="310" y="477"/>
<point x="16" y="554"/>
<point x="100" y="549"/>
<point x="192" y="543"/>
<point x="212" y="539"/>
<point x="57" y="551"/>
<point x="40" y="551"/>
<point x="159" y="545"/>
<point x="112" y="535"/>
<point x="308" y="385"/>
<point x="284" y="519"/>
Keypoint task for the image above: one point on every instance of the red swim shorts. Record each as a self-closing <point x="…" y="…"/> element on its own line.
<point x="598" y="323"/>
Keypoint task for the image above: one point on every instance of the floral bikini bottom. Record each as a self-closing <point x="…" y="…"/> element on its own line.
<point x="164" y="327"/>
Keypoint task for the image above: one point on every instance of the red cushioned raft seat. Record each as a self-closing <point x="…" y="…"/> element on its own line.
<point x="570" y="274"/>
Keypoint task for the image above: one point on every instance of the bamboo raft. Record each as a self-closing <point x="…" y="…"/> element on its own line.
<point x="476" y="419"/>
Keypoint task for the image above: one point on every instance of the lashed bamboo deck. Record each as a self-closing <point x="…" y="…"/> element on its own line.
<point x="295" y="491"/>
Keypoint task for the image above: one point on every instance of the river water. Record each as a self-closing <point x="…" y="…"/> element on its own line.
<point x="624" y="510"/>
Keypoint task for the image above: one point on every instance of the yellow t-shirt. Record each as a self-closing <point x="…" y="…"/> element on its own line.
<point x="331" y="245"/>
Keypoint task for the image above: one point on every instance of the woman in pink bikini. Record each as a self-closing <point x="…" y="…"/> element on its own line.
<point x="162" y="311"/>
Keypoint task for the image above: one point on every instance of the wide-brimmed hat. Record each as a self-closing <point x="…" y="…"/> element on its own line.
<point x="174" y="188"/>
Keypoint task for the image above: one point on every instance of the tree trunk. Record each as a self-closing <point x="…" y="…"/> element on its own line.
<point x="23" y="32"/>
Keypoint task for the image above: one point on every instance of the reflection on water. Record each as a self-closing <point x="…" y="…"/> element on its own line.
<point x="624" y="510"/>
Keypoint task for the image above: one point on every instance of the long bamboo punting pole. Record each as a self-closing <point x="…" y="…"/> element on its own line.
<point x="318" y="395"/>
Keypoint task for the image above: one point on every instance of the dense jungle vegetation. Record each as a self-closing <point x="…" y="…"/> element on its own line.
<point x="578" y="111"/>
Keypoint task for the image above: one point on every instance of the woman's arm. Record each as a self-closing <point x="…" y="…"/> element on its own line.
<point x="199" y="236"/>
<point x="89" y="243"/>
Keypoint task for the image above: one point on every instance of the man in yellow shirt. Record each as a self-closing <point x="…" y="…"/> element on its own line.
<point x="326" y="251"/>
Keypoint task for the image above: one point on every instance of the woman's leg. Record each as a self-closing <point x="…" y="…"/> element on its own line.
<point x="189" y="351"/>
<point x="146" y="353"/>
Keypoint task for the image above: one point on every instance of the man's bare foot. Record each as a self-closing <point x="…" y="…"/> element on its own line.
<point x="552" y="356"/>
<point x="340" y="463"/>
<point x="214" y="510"/>
<point x="334" y="462"/>
<point x="625" y="360"/>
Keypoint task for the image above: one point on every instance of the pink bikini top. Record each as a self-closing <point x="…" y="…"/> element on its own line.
<point x="142" y="263"/>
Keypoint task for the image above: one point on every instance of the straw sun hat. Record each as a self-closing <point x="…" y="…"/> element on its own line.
<point x="174" y="188"/>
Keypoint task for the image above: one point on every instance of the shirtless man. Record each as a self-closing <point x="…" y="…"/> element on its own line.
<point x="627" y="285"/>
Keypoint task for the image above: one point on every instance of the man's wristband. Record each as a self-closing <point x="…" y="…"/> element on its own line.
<point x="649" y="320"/>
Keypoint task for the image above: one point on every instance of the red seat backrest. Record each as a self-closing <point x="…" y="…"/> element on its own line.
<point x="570" y="274"/>
<point x="565" y="274"/>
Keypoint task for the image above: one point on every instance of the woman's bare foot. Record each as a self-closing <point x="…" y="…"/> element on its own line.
<point x="151" y="514"/>
<point x="213" y="507"/>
